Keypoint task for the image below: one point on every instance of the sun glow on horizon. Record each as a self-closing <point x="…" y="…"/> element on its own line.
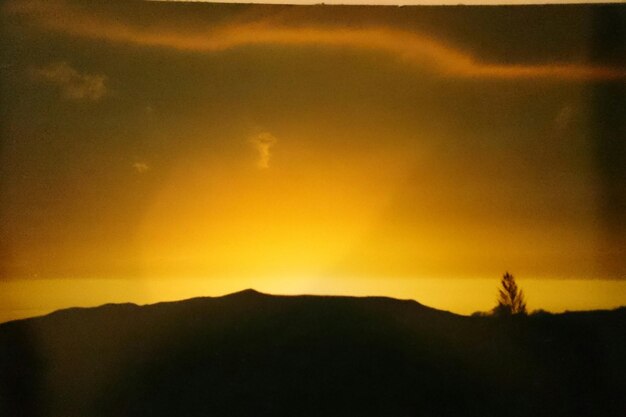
<point x="405" y="152"/>
<point x="27" y="298"/>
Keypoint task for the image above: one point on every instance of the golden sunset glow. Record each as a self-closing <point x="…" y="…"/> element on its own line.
<point x="162" y="151"/>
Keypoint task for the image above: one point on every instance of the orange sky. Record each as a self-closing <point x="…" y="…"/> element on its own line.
<point x="194" y="149"/>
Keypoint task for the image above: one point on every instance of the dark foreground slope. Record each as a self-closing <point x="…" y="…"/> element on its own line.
<point x="251" y="354"/>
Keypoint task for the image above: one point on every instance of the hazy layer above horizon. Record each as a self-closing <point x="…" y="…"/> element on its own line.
<point x="166" y="140"/>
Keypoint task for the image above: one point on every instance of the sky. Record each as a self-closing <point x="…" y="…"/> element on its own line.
<point x="353" y="150"/>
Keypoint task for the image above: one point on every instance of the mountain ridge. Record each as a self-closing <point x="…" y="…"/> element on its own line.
<point x="250" y="353"/>
<point x="248" y="292"/>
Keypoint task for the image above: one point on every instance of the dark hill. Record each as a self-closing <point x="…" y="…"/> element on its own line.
<point x="251" y="354"/>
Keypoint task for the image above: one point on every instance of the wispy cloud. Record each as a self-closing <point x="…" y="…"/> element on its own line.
<point x="415" y="48"/>
<point x="263" y="142"/>
<point x="72" y="84"/>
<point x="141" y="167"/>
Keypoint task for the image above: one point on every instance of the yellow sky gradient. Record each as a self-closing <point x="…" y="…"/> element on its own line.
<point x="161" y="151"/>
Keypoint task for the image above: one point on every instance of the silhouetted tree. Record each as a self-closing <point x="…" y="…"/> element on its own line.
<point x="510" y="298"/>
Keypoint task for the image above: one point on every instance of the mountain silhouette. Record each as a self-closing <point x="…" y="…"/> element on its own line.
<point x="253" y="354"/>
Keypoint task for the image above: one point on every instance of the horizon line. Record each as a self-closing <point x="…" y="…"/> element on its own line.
<point x="400" y="3"/>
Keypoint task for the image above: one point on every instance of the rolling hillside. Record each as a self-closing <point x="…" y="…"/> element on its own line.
<point x="252" y="354"/>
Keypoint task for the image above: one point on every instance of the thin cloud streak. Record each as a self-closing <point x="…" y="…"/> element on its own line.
<point x="415" y="48"/>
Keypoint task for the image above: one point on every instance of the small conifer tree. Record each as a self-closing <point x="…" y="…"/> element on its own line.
<point x="510" y="298"/>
